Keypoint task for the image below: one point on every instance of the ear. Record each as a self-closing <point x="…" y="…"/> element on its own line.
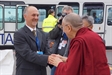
<point x="24" y="16"/>
<point x="69" y="28"/>
<point x="91" y="27"/>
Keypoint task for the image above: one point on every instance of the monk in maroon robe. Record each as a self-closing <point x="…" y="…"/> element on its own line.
<point x="87" y="50"/>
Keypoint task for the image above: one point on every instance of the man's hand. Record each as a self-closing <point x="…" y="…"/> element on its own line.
<point x="54" y="60"/>
<point x="62" y="58"/>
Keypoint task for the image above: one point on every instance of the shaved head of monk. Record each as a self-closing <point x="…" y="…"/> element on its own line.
<point x="71" y="24"/>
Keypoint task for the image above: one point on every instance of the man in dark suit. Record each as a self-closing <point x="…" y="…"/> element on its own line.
<point x="31" y="49"/>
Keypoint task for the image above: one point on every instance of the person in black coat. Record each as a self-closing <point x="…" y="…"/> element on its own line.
<point x="60" y="41"/>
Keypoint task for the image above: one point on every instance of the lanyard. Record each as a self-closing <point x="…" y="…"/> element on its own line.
<point x="65" y="36"/>
<point x="38" y="43"/>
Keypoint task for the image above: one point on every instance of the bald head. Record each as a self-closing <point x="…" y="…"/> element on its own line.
<point x="74" y="19"/>
<point x="28" y="9"/>
<point x="31" y="16"/>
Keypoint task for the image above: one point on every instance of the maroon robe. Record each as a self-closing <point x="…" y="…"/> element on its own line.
<point x="87" y="56"/>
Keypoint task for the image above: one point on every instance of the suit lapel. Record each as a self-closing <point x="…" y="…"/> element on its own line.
<point x="29" y="33"/>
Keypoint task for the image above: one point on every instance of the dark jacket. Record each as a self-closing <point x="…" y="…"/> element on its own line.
<point x="55" y="33"/>
<point x="55" y="36"/>
<point x="28" y="61"/>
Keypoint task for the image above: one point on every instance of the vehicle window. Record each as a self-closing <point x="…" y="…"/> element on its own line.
<point x="94" y="9"/>
<point x="109" y="18"/>
<point x="1" y="17"/>
<point x="19" y="15"/>
<point x="10" y="14"/>
<point x="42" y="14"/>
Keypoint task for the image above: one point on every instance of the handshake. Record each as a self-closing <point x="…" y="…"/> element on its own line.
<point x="55" y="59"/>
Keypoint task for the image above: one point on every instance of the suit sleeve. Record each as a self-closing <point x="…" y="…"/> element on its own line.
<point x="46" y="48"/>
<point x="71" y="67"/>
<point x="23" y="49"/>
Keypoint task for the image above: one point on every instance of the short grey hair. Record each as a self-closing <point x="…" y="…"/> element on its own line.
<point x="25" y="10"/>
<point x="90" y="19"/>
<point x="67" y="8"/>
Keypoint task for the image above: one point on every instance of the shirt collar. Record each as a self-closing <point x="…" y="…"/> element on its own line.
<point x="31" y="28"/>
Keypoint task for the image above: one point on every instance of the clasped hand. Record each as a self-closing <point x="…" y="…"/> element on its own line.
<point x="55" y="59"/>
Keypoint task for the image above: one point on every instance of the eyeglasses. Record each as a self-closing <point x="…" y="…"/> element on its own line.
<point x="62" y="26"/>
<point x="64" y="13"/>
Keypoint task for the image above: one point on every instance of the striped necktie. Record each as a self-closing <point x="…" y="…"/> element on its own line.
<point x="34" y="32"/>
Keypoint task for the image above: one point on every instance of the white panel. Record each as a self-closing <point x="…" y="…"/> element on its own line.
<point x="108" y="28"/>
<point x="6" y="62"/>
<point x="9" y="26"/>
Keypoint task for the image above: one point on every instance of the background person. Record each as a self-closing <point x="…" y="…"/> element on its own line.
<point x="58" y="41"/>
<point x="57" y="31"/>
<point x="96" y="19"/>
<point x="49" y="22"/>
<point x="88" y="21"/>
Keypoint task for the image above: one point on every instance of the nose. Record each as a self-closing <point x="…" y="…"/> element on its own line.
<point x="36" y="17"/>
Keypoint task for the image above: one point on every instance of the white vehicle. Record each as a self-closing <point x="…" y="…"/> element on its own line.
<point x="11" y="18"/>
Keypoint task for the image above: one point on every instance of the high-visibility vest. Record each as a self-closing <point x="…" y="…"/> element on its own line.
<point x="49" y="23"/>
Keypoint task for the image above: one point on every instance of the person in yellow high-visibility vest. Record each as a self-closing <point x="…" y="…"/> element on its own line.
<point x="49" y="22"/>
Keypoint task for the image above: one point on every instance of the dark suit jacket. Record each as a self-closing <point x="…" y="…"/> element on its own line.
<point x="28" y="61"/>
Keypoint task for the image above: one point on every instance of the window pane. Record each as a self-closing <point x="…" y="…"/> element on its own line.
<point x="10" y="14"/>
<point x="109" y="19"/>
<point x="42" y="14"/>
<point x="76" y="9"/>
<point x="95" y="10"/>
<point x="1" y="17"/>
<point x="20" y="19"/>
<point x="59" y="10"/>
<point x="20" y="14"/>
